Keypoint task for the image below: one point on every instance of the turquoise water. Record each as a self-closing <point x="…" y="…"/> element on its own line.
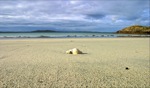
<point x="66" y="35"/>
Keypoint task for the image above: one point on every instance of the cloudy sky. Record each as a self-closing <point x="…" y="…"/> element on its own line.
<point x="73" y="15"/>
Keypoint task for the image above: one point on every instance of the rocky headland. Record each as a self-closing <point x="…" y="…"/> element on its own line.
<point x="135" y="29"/>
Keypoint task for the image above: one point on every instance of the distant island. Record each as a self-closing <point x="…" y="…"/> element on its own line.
<point x="41" y="31"/>
<point x="27" y="31"/>
<point x="44" y="31"/>
<point x="135" y="29"/>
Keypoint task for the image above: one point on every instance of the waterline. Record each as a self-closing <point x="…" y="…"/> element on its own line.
<point x="68" y="35"/>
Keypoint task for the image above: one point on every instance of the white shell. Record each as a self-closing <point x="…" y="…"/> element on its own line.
<point x="69" y="52"/>
<point x="73" y="51"/>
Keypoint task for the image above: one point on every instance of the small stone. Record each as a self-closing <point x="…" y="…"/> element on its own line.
<point x="127" y="68"/>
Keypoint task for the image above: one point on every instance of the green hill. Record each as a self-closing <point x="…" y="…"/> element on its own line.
<point x="135" y="29"/>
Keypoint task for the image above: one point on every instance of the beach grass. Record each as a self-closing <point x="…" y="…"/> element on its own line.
<point x="106" y="63"/>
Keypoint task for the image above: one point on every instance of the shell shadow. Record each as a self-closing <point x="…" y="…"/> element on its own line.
<point x="84" y="53"/>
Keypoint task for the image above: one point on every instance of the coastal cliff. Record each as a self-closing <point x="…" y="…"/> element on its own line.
<point x="136" y="29"/>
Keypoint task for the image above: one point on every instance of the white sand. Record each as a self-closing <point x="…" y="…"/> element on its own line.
<point x="42" y="63"/>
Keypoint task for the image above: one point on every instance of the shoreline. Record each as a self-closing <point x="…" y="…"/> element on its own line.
<point x="68" y="35"/>
<point x="2" y="38"/>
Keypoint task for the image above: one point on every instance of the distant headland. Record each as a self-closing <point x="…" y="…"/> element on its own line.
<point x="135" y="29"/>
<point x="27" y="31"/>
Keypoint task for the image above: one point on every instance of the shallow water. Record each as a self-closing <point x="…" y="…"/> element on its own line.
<point x="68" y="35"/>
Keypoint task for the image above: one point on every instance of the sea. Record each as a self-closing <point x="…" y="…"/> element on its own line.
<point x="68" y="35"/>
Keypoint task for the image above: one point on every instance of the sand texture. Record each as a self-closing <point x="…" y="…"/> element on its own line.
<point x="43" y="63"/>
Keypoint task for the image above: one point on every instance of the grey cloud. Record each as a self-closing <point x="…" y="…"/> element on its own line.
<point x="96" y="16"/>
<point x="74" y="13"/>
<point x="130" y="9"/>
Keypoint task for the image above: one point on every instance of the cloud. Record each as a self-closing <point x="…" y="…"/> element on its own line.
<point x="95" y="16"/>
<point x="74" y="14"/>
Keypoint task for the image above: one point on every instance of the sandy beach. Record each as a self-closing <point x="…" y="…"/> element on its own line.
<point x="43" y="63"/>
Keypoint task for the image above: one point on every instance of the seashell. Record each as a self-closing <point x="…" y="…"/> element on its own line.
<point x="69" y="52"/>
<point x="73" y="51"/>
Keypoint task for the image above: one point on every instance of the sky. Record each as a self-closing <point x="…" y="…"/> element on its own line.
<point x="73" y="15"/>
